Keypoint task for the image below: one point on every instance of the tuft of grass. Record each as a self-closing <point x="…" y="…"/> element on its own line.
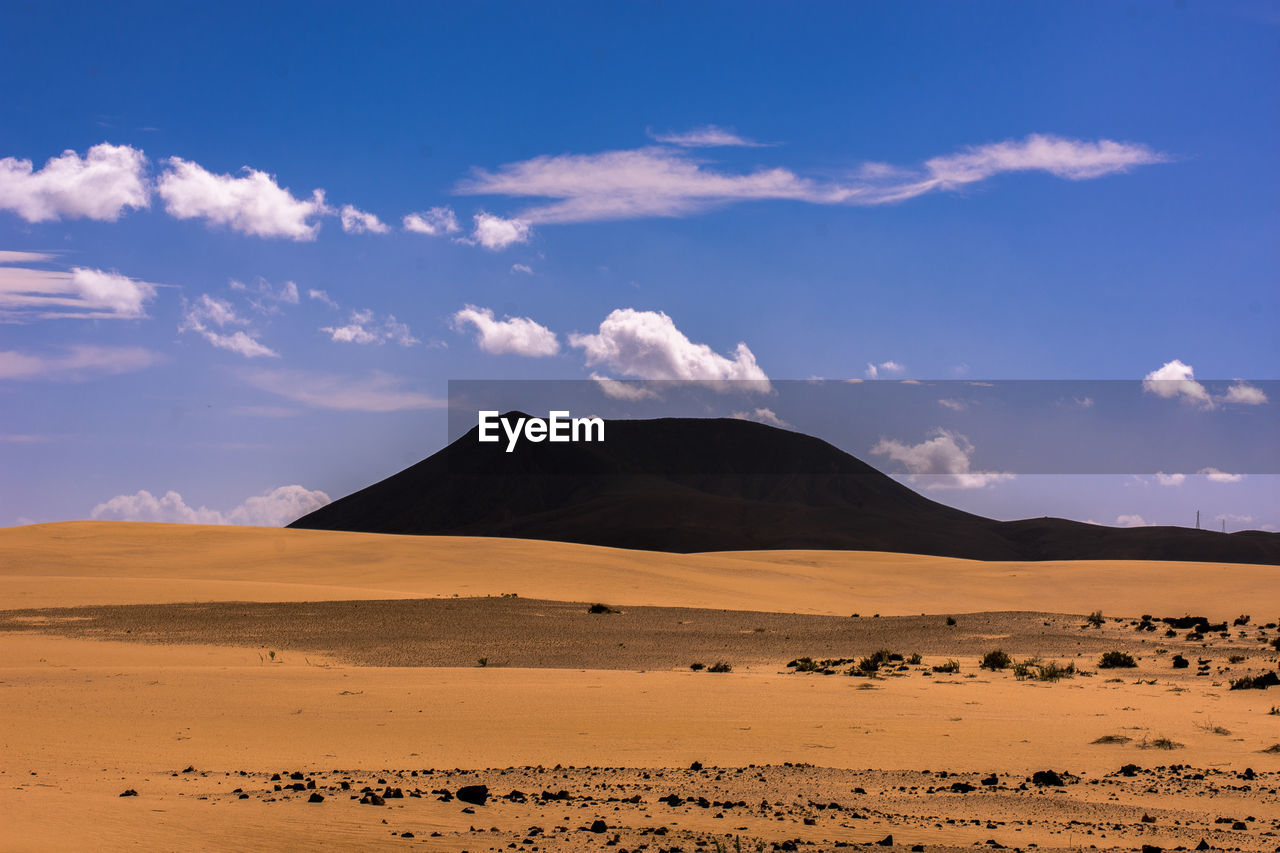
<point x="720" y="666"/>
<point x="1053" y="671"/>
<point x="697" y="666"/>
<point x="1116" y="660"/>
<point x="482" y="662"/>
<point x="1160" y="743"/>
<point x="601" y="608"/>
<point x="1210" y="728"/>
<point x="1095" y="619"/>
<point x="949" y="666"/>
<point x="1113" y="739"/>
<point x="914" y="659"/>
<point x="995" y="660"/>
<point x="1274" y="749"/>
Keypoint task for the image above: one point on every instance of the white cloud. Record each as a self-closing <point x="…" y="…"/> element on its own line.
<point x="208" y="311"/>
<point x="321" y="296"/>
<point x="1175" y="379"/>
<point x="495" y="233"/>
<point x="524" y="268"/>
<point x="954" y="405"/>
<point x="356" y="221"/>
<point x="275" y="508"/>
<point x="1083" y="402"/>
<point x="647" y="345"/>
<point x="624" y="390"/>
<point x="377" y="392"/>
<point x="76" y="364"/>
<point x="1170" y="479"/>
<point x="893" y="368"/>
<point x="254" y="204"/>
<point x="266" y="299"/>
<point x="435" y="222"/>
<point x="1131" y="521"/>
<point x="81" y="293"/>
<point x="658" y="181"/>
<point x="1244" y="394"/>
<point x="763" y="416"/>
<point x="515" y="335"/>
<point x="1216" y="476"/>
<point x="707" y="136"/>
<point x="101" y="185"/>
<point x="363" y="328"/>
<point x="943" y="461"/>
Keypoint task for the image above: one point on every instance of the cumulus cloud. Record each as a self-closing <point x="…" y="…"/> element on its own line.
<point x="763" y="416"/>
<point x="943" y="461"/>
<point x="891" y="368"/>
<point x="364" y="328"/>
<point x="524" y="268"/>
<point x="1177" y="380"/>
<point x="435" y="222"/>
<point x="81" y="293"/>
<point x="647" y="345"/>
<point x="253" y="204"/>
<point x="1131" y="521"/>
<point x="1170" y="479"/>
<point x="514" y="335"/>
<point x="356" y="221"/>
<point x="665" y="181"/>
<point x="101" y="185"/>
<point x="275" y="508"/>
<point x="208" y="312"/>
<point x="375" y="392"/>
<point x="1244" y="394"/>
<point x="76" y="364"/>
<point x="707" y="136"/>
<point x="1216" y="476"/>
<point x="495" y="233"/>
<point x="953" y="405"/>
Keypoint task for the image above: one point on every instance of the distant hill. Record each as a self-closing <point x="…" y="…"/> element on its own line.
<point x="688" y="484"/>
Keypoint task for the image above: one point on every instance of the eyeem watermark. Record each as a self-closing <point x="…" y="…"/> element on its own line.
<point x="556" y="427"/>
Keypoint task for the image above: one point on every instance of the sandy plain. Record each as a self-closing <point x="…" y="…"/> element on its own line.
<point x="193" y="664"/>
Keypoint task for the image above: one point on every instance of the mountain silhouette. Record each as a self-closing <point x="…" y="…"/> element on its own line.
<point x="688" y="484"/>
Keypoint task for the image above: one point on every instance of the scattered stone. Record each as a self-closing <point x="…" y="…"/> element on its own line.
<point x="315" y="798"/>
<point x="475" y="794"/>
<point x="129" y="792"/>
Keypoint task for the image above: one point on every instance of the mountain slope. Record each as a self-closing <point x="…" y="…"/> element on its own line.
<point x="686" y="485"/>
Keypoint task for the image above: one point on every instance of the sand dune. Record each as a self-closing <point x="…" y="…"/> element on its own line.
<point x="74" y="563"/>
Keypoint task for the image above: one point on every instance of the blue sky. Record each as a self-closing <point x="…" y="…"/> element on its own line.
<point x="943" y="191"/>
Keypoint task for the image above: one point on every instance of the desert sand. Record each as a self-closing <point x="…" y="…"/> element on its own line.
<point x="192" y="665"/>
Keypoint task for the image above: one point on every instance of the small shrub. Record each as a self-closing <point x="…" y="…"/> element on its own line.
<point x="951" y="620"/>
<point x="1160" y="743"/>
<point x="1210" y="728"/>
<point x="997" y="659"/>
<point x="601" y="608"/>
<point x="1259" y="682"/>
<point x="697" y="666"/>
<point x="949" y="666"/>
<point x="914" y="660"/>
<point x="1275" y="711"/>
<point x="720" y="666"/>
<point x="1236" y="659"/>
<point x="1052" y="671"/>
<point x="1095" y="619"/>
<point x="1116" y="660"/>
<point x="482" y="662"/>
<point x="1113" y="739"/>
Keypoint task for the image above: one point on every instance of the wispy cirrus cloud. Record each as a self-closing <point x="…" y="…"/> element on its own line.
<point x="75" y="364"/>
<point x="253" y="204"/>
<point x="706" y="136"/>
<point x="667" y="181"/>
<point x="28" y="294"/>
<point x="374" y="392"/>
<point x="102" y="185"/>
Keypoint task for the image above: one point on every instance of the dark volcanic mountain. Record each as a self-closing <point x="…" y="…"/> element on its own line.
<point x="685" y="485"/>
